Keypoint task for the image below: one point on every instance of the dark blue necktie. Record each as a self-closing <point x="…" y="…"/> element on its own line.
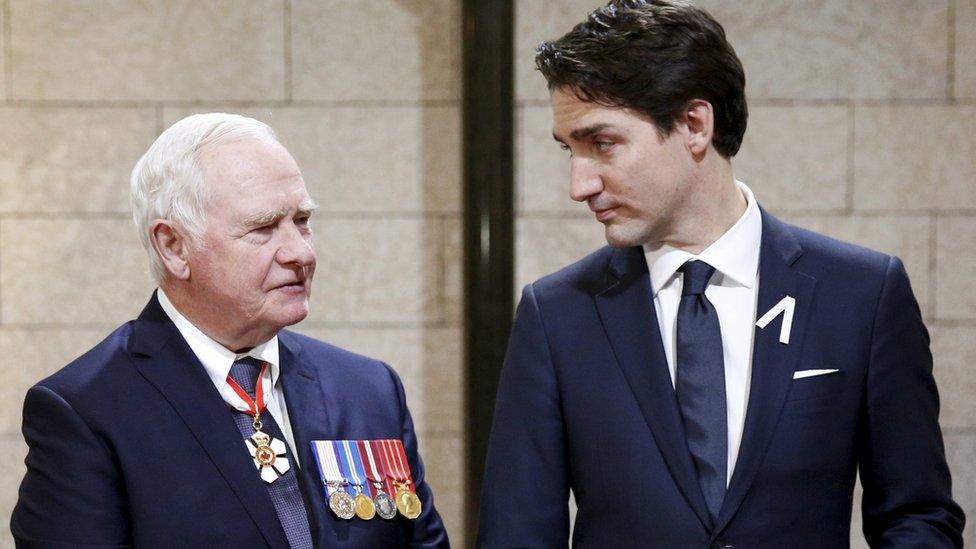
<point x="700" y="383"/>
<point x="284" y="492"/>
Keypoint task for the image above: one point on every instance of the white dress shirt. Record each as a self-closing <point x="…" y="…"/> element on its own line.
<point x="732" y="291"/>
<point x="217" y="360"/>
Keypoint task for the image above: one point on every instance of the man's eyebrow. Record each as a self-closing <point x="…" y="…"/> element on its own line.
<point x="263" y="218"/>
<point x="307" y="206"/>
<point x="267" y="217"/>
<point x="584" y="132"/>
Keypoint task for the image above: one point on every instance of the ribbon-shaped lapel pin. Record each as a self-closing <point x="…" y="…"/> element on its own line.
<point x="785" y="306"/>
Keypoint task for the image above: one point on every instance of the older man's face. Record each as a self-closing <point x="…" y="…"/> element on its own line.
<point x="254" y="263"/>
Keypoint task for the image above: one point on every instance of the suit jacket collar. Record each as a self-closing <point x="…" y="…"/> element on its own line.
<point x="625" y="304"/>
<point x="626" y="308"/>
<point x="163" y="357"/>
<point x="773" y="363"/>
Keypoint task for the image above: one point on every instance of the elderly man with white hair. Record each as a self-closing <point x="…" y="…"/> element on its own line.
<point x="203" y="423"/>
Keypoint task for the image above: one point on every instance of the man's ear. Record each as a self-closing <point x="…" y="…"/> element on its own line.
<point x="171" y="246"/>
<point x="699" y="116"/>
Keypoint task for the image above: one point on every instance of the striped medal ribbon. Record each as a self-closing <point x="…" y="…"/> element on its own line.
<point x="376" y="473"/>
<point x="398" y="470"/>
<point x="327" y="456"/>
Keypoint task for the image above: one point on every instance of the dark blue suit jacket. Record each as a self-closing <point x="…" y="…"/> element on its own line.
<point x="131" y="444"/>
<point x="586" y="403"/>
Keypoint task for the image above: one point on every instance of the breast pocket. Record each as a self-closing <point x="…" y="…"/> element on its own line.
<point x="818" y="386"/>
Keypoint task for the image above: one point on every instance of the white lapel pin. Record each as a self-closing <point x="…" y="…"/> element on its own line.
<point x="785" y="306"/>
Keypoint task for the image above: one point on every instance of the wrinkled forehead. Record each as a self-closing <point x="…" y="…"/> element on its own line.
<point x="243" y="175"/>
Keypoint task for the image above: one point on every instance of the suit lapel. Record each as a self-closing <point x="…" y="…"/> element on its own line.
<point x="627" y="311"/>
<point x="305" y="408"/>
<point x="773" y="362"/>
<point x="163" y="357"/>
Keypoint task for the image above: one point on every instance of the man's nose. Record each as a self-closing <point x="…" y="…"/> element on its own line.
<point x="584" y="180"/>
<point x="297" y="248"/>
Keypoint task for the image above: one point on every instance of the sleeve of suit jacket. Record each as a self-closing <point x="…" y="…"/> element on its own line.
<point x="428" y="529"/>
<point x="907" y="494"/>
<point x="71" y="495"/>
<point x="525" y="453"/>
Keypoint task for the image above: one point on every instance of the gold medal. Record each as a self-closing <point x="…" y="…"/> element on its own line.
<point x="365" y="509"/>
<point x="408" y="503"/>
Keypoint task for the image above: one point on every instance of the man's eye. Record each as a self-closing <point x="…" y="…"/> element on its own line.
<point x="302" y="221"/>
<point x="564" y="146"/>
<point x="603" y="146"/>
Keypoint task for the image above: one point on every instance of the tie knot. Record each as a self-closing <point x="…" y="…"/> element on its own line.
<point x="696" y="277"/>
<point x="245" y="372"/>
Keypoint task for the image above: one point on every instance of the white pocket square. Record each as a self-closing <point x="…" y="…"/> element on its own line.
<point x="800" y="374"/>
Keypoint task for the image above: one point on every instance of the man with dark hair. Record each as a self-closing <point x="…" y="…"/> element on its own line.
<point x="714" y="377"/>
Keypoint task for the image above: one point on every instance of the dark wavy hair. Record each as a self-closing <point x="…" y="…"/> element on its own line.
<point x="653" y="56"/>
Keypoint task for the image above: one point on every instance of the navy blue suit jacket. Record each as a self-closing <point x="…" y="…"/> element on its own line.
<point x="131" y="444"/>
<point x="586" y="403"/>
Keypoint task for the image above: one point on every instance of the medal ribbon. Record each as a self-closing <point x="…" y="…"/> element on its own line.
<point x="343" y="467"/>
<point x="254" y="406"/>
<point x="369" y="464"/>
<point x="328" y="465"/>
<point x="355" y="464"/>
<point x="383" y="466"/>
<point x="395" y="466"/>
<point x="401" y="455"/>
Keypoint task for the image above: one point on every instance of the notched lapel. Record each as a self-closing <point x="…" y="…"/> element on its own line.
<point x="626" y="309"/>
<point x="163" y="357"/>
<point x="306" y="407"/>
<point x="773" y="363"/>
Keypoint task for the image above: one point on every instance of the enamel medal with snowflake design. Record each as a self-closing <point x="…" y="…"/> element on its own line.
<point x="268" y="452"/>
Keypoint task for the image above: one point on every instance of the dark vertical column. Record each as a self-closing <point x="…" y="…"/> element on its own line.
<point x="488" y="173"/>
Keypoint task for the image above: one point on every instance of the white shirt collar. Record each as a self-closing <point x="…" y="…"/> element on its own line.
<point x="216" y="358"/>
<point x="735" y="254"/>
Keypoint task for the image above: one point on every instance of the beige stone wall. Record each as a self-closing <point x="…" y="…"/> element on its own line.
<point x="862" y="126"/>
<point x="364" y="94"/>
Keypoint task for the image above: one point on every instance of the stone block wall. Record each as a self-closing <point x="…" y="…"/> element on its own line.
<point x="364" y="94"/>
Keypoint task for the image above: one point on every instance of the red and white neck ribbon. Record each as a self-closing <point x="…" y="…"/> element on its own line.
<point x="254" y="405"/>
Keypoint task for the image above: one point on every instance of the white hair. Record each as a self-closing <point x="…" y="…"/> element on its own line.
<point x="167" y="182"/>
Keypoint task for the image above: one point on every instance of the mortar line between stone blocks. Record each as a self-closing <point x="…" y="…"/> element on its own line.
<point x="933" y="263"/>
<point x="959" y="431"/>
<point x="65" y="215"/>
<point x="322" y="215"/>
<point x="441" y="268"/>
<point x="309" y="325"/>
<point x="7" y="52"/>
<point x="953" y="322"/>
<point x="851" y="151"/>
<point x="951" y="51"/>
<point x="819" y="102"/>
<point x="441" y="433"/>
<point x="237" y="104"/>
<point x="1" y="275"/>
<point x="289" y="93"/>
<point x="160" y="118"/>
